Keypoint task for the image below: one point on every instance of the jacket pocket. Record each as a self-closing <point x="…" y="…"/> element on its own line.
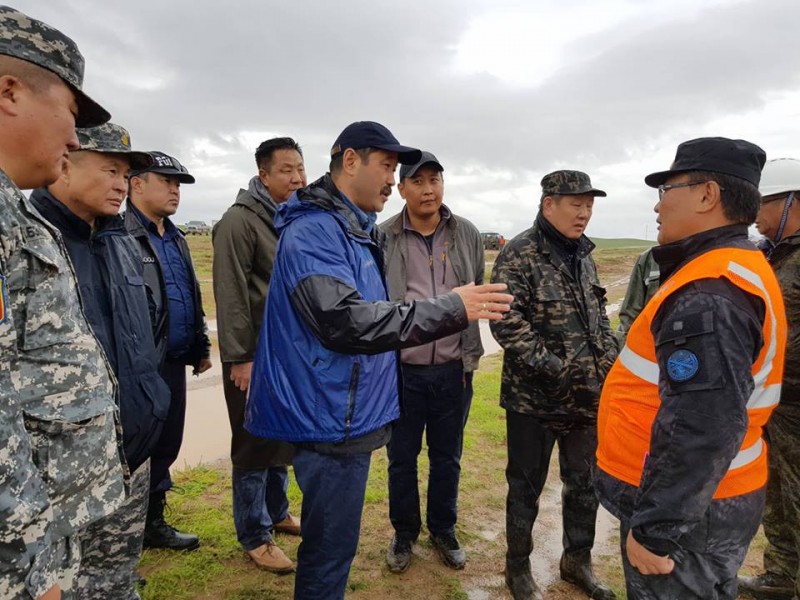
<point x="80" y="466"/>
<point x="46" y="288"/>
<point x="351" y="398"/>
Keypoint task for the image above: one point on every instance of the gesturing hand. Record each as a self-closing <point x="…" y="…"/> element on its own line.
<point x="485" y="301"/>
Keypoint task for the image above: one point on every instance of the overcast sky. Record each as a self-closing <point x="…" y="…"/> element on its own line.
<point x="501" y="91"/>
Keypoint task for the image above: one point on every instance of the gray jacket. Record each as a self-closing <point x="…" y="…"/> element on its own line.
<point x="466" y="255"/>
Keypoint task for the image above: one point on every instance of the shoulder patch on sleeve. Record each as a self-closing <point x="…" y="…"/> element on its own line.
<point x="682" y="365"/>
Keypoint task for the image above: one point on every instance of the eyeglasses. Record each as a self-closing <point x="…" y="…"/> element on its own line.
<point x="770" y="200"/>
<point x="664" y="188"/>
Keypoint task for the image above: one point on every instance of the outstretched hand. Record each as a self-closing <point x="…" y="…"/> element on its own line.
<point x="485" y="301"/>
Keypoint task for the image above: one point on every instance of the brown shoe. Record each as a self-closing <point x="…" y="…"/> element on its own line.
<point x="290" y="526"/>
<point x="271" y="558"/>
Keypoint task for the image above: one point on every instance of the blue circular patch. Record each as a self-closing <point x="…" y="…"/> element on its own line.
<point x="682" y="365"/>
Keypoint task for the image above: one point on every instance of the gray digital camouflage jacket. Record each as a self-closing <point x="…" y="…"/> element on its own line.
<point x="61" y="464"/>
<point x="557" y="339"/>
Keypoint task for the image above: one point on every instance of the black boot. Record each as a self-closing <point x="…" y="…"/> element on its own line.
<point x="521" y="584"/>
<point x="577" y="569"/>
<point x="768" y="586"/>
<point x="158" y="534"/>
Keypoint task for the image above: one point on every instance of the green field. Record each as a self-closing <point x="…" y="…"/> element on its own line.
<point x="618" y="243"/>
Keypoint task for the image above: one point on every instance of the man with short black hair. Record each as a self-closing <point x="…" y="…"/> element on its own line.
<point x="333" y="390"/>
<point x="558" y="348"/>
<point x="430" y="251"/>
<point x="245" y="240"/>
<point x="62" y="466"/>
<point x="83" y="204"/>
<point x="180" y="326"/>
<point x="681" y="457"/>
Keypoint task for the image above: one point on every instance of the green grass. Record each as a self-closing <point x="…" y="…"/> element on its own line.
<point x="615" y="243"/>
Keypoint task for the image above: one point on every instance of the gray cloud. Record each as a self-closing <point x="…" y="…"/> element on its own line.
<point x="199" y="80"/>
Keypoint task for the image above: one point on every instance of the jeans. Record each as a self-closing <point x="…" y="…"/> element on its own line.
<point x="333" y="498"/>
<point x="435" y="401"/>
<point x="259" y="501"/>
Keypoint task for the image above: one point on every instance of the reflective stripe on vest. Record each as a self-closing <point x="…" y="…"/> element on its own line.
<point x="630" y="399"/>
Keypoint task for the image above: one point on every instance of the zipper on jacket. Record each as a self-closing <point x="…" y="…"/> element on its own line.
<point x="351" y="398"/>
<point x="433" y="294"/>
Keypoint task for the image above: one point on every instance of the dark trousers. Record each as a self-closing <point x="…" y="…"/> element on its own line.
<point x="333" y="498"/>
<point x="782" y="514"/>
<point x="708" y="558"/>
<point x="169" y="443"/>
<point x="530" y="445"/>
<point x="435" y="401"/>
<point x="259" y="501"/>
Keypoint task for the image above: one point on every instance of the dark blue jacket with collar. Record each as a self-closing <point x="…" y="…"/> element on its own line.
<point x="156" y="289"/>
<point x="325" y="369"/>
<point x="108" y="267"/>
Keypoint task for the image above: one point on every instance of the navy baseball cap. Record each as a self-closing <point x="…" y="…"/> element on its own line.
<point x="426" y="158"/>
<point x="738" y="158"/>
<point x="369" y="134"/>
<point x="166" y="165"/>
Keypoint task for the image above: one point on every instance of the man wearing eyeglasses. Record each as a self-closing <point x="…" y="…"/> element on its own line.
<point x="779" y="221"/>
<point x="682" y="460"/>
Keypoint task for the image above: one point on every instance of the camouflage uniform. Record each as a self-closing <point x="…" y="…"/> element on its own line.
<point x="782" y="516"/>
<point x="558" y="348"/>
<point x="61" y="464"/>
<point x="111" y="547"/>
<point x="643" y="284"/>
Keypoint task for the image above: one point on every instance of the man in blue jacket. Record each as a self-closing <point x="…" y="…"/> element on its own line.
<point x="83" y="204"/>
<point x="325" y="371"/>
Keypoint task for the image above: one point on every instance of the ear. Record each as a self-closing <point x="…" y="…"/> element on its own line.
<point x="10" y="88"/>
<point x="263" y="176"/>
<point x="135" y="184"/>
<point x="350" y="161"/>
<point x="66" y="170"/>
<point x="401" y="188"/>
<point x="547" y="205"/>
<point x="711" y="199"/>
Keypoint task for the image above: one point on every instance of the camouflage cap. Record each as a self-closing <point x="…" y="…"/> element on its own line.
<point x="114" y="139"/>
<point x="569" y="183"/>
<point x="46" y="47"/>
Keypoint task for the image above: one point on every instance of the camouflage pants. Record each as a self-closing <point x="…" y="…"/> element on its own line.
<point x="111" y="547"/>
<point x="530" y="445"/>
<point x="64" y="556"/>
<point x="782" y="514"/>
<point x="708" y="558"/>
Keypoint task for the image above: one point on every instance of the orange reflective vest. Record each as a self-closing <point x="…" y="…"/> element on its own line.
<point x="630" y="400"/>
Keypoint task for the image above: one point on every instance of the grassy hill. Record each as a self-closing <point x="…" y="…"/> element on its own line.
<point x="613" y="243"/>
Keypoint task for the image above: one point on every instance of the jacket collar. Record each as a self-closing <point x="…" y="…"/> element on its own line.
<point x="672" y="256"/>
<point x="67" y="221"/>
<point x="323" y="195"/>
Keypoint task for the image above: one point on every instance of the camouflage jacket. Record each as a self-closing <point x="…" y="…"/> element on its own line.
<point x="644" y="282"/>
<point x="557" y="339"/>
<point x="785" y="259"/>
<point x="61" y="463"/>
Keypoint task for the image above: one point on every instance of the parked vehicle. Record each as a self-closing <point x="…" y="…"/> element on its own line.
<point x="492" y="240"/>
<point x="196" y="228"/>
